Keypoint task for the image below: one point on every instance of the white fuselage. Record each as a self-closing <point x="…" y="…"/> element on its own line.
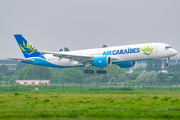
<point x="119" y="53"/>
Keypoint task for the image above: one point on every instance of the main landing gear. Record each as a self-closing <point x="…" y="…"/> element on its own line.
<point x="89" y="71"/>
<point x="101" y="71"/>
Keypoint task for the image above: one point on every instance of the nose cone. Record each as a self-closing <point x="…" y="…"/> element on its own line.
<point x="174" y="52"/>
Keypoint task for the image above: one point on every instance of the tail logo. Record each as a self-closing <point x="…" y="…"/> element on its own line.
<point x="27" y="48"/>
<point x="148" y="50"/>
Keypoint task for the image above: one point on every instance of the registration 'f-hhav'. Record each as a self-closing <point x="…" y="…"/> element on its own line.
<point x="123" y="56"/>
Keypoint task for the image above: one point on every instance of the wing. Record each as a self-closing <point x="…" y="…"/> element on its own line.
<point x="83" y="59"/>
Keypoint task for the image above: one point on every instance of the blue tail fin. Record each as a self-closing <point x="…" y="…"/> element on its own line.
<point x="27" y="49"/>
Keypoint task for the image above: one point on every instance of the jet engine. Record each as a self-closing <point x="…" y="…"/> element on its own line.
<point x="104" y="61"/>
<point x="127" y="64"/>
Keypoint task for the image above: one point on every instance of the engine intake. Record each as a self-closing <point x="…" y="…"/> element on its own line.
<point x="104" y="61"/>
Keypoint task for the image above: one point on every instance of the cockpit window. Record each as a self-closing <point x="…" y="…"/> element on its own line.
<point x="167" y="47"/>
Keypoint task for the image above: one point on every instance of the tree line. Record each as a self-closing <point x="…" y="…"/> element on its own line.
<point x="76" y="75"/>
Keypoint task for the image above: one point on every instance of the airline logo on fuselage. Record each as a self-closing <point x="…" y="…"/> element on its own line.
<point x="122" y="51"/>
<point x="148" y="50"/>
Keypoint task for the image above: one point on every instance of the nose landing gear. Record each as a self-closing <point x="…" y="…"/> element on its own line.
<point x="166" y="63"/>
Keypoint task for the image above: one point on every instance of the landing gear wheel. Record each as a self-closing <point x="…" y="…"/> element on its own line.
<point x="101" y="72"/>
<point x="104" y="72"/>
<point x="86" y="71"/>
<point x="166" y="64"/>
<point x="98" y="71"/>
<point x="89" y="71"/>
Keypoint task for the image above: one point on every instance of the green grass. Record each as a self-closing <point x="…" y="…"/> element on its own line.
<point x="86" y="89"/>
<point x="90" y="106"/>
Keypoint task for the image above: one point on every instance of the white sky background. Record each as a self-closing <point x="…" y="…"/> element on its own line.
<point x="82" y="24"/>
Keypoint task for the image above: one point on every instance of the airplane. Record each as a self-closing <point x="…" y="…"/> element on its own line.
<point x="123" y="56"/>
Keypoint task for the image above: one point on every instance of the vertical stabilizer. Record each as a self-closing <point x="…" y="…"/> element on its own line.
<point x="27" y="49"/>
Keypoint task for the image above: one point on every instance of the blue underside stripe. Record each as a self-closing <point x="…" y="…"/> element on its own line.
<point x="43" y="62"/>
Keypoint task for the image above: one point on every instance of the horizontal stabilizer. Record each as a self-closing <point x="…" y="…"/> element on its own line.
<point x="25" y="60"/>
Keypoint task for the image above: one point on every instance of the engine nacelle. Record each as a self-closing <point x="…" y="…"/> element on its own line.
<point x="104" y="61"/>
<point x="127" y="64"/>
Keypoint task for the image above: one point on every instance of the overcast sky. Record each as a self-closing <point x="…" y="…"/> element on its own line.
<point x="82" y="24"/>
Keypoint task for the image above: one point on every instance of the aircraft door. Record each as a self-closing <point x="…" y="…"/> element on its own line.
<point x="156" y="48"/>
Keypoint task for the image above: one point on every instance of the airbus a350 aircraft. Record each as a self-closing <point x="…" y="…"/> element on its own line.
<point x="123" y="56"/>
